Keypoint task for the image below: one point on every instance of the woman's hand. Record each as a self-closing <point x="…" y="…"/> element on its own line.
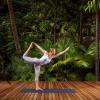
<point x="31" y="45"/>
<point x="67" y="48"/>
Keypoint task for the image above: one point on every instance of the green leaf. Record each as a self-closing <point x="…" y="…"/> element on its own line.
<point x="82" y="63"/>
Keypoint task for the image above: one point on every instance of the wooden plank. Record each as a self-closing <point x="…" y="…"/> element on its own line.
<point x="8" y="90"/>
<point x="93" y="90"/>
<point x="19" y="95"/>
<point x="50" y="94"/>
<point x="27" y="96"/>
<point x="16" y="95"/>
<point x="4" y="85"/>
<point x="79" y="87"/>
<point x="42" y="94"/>
<point x="11" y="92"/>
<point x="79" y="95"/>
<point x="58" y="95"/>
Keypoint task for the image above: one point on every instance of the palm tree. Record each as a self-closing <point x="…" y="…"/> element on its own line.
<point x="94" y="6"/>
<point x="97" y="41"/>
<point x="13" y="26"/>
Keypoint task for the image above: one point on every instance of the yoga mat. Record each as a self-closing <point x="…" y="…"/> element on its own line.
<point x="48" y="91"/>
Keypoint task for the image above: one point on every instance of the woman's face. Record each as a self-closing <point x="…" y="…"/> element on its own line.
<point x="52" y="52"/>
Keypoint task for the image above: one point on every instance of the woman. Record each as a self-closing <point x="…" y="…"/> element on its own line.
<point x="46" y="58"/>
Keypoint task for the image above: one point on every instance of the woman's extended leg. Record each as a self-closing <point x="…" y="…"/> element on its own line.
<point x="37" y="73"/>
<point x="32" y="60"/>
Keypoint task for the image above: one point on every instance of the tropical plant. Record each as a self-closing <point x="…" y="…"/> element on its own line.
<point x="90" y="77"/>
<point x="76" y="58"/>
<point x="92" y="5"/>
<point x="18" y="69"/>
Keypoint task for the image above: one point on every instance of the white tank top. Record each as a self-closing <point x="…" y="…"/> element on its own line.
<point x="45" y="59"/>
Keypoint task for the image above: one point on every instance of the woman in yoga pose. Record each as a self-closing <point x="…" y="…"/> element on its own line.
<point x="46" y="58"/>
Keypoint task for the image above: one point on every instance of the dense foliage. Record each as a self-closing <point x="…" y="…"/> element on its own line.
<point x="50" y="24"/>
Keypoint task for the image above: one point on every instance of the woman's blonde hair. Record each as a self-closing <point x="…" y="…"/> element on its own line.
<point x="53" y="50"/>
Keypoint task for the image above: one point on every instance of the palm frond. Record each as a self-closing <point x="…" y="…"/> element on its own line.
<point x="60" y="63"/>
<point x="82" y="63"/>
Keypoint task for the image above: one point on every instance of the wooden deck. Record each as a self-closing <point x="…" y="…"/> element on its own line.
<point x="84" y="91"/>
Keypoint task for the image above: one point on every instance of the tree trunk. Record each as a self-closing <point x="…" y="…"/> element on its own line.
<point x="13" y="26"/>
<point x="81" y="24"/>
<point x="54" y="34"/>
<point x="97" y="42"/>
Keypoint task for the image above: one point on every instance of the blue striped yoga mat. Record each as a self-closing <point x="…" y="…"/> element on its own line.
<point x="48" y="91"/>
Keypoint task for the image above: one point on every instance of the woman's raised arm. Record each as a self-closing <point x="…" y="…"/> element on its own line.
<point x="39" y="47"/>
<point x="26" y="52"/>
<point x="57" y="55"/>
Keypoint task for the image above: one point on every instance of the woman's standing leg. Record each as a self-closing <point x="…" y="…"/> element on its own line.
<point x="37" y="74"/>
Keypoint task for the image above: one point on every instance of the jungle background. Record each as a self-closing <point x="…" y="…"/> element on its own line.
<point x="49" y="23"/>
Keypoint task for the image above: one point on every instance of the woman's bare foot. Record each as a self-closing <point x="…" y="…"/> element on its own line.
<point x="38" y="88"/>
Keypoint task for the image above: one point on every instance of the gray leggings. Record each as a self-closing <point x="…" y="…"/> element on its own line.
<point x="32" y="60"/>
<point x="36" y="62"/>
<point x="37" y="72"/>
